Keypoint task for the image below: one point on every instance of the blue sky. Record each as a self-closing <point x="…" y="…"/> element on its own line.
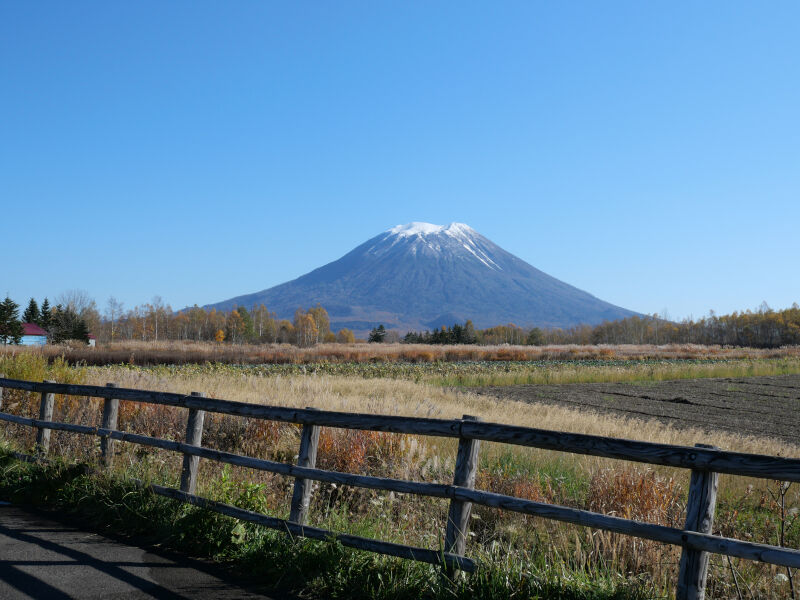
<point x="648" y="153"/>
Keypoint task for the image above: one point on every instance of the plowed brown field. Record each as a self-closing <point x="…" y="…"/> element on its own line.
<point x="760" y="406"/>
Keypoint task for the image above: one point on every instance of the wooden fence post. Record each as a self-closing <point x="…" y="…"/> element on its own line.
<point x="110" y="415"/>
<point x="194" y="437"/>
<point x="2" y="376"/>
<point x="700" y="518"/>
<point x="45" y="414"/>
<point x="306" y="457"/>
<point x="455" y="539"/>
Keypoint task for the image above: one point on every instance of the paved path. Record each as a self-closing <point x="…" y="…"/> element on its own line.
<point x="44" y="558"/>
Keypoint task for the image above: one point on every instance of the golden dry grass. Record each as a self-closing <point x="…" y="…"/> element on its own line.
<point x="189" y="352"/>
<point x="399" y="397"/>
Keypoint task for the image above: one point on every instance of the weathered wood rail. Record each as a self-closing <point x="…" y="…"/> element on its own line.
<point x="696" y="538"/>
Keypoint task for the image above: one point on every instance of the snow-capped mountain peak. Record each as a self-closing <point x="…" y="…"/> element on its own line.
<point x="457" y="240"/>
<point x="415" y="229"/>
<point x="418" y="228"/>
<point x="422" y="275"/>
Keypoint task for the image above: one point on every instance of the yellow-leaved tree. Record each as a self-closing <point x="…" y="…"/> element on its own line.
<point x="345" y="336"/>
<point x="306" y="330"/>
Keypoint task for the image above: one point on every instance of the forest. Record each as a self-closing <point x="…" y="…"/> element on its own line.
<point x="762" y="328"/>
<point x="74" y="314"/>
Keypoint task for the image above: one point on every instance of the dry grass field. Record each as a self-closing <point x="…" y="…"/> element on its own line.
<point x="188" y="352"/>
<point x="389" y="396"/>
<point x="747" y="508"/>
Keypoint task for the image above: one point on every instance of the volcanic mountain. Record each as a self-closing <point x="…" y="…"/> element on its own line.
<point x="419" y="276"/>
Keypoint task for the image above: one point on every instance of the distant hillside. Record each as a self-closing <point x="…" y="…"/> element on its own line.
<point x="419" y="276"/>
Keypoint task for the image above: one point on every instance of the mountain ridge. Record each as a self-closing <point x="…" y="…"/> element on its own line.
<point x="419" y="275"/>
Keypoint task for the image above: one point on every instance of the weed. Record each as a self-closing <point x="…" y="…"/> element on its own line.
<point x="318" y="569"/>
<point x="526" y="551"/>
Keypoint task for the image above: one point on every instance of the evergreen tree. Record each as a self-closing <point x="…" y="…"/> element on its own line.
<point x="59" y="327"/>
<point x="66" y="324"/>
<point x="470" y="337"/>
<point x="45" y="316"/>
<point x="10" y="326"/>
<point x="457" y="334"/>
<point x="31" y="314"/>
<point x="377" y="334"/>
<point x="80" y="331"/>
<point x="412" y="337"/>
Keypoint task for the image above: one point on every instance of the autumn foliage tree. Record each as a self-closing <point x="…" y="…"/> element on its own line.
<point x="322" y="323"/>
<point x="234" y="327"/>
<point x="305" y="329"/>
<point x="345" y="336"/>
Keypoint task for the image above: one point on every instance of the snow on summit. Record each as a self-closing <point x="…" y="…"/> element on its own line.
<point x="457" y="238"/>
<point x="422" y="229"/>
<point x="415" y="228"/>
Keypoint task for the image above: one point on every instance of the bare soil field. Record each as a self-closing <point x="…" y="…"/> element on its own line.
<point x="759" y="406"/>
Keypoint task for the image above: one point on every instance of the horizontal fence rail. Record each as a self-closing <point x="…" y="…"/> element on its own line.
<point x="685" y="457"/>
<point x="701" y="460"/>
<point x="352" y="541"/>
<point x="659" y="533"/>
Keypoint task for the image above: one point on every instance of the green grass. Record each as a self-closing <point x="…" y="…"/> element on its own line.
<point x="562" y="475"/>
<point x="316" y="569"/>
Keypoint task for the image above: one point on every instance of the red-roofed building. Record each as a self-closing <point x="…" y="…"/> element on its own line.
<point x="33" y="335"/>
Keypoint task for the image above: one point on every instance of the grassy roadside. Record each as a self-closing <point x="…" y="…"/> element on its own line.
<point x="312" y="568"/>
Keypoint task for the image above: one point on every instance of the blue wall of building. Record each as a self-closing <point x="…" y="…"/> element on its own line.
<point x="33" y="340"/>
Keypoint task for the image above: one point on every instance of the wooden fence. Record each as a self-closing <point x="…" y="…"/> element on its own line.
<point x="695" y="538"/>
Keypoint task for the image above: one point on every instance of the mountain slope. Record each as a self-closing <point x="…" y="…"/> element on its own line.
<point x="420" y="275"/>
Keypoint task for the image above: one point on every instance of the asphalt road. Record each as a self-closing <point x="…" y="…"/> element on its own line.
<point x="43" y="558"/>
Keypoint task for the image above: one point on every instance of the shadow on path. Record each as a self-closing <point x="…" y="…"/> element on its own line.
<point x="41" y="558"/>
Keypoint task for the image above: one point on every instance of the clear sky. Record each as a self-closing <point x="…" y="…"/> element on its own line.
<point x="646" y="152"/>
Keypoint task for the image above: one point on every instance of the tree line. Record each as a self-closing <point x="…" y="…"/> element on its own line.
<point x="762" y="328"/>
<point x="457" y="334"/>
<point x="75" y="315"/>
<point x="156" y="321"/>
